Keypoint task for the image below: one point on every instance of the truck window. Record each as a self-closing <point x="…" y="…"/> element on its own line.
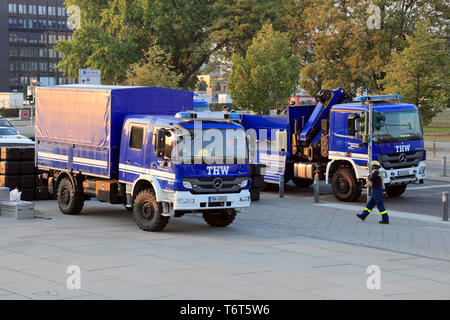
<point x="136" y="137"/>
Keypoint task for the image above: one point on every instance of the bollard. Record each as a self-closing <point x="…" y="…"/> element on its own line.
<point x="316" y="189"/>
<point x="444" y="166"/>
<point x="281" y="183"/>
<point x="445" y="206"/>
<point x="434" y="150"/>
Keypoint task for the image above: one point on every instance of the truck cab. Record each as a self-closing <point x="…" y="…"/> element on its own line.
<point x="397" y="144"/>
<point x="193" y="162"/>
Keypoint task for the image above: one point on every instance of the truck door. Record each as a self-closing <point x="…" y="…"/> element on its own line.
<point x="135" y="155"/>
<point x="353" y="146"/>
<point x="162" y="166"/>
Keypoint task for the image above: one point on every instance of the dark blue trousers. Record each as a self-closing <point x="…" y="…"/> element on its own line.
<point x="376" y="199"/>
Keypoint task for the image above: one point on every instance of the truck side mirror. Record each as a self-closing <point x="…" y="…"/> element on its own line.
<point x="160" y="141"/>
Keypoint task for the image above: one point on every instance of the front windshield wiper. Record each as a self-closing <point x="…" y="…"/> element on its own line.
<point x="387" y="138"/>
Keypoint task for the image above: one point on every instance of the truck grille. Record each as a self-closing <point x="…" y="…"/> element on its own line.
<point x="400" y="160"/>
<point x="215" y="184"/>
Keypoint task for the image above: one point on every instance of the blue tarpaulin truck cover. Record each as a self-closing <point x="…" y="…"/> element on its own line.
<point x="78" y="121"/>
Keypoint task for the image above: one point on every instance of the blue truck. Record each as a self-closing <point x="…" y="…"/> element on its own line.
<point x="120" y="145"/>
<point x="334" y="142"/>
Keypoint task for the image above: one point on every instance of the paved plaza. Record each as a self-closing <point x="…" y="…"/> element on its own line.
<point x="279" y="249"/>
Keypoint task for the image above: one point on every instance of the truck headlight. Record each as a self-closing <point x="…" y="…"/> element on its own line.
<point x="245" y="199"/>
<point x="384" y="173"/>
<point x="187" y="185"/>
<point x="422" y="170"/>
<point x="244" y="183"/>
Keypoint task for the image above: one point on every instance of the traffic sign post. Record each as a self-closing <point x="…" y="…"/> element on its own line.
<point x="90" y="76"/>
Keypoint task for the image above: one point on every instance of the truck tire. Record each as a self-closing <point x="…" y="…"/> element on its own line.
<point x="220" y="220"/>
<point x="395" y="191"/>
<point x="255" y="195"/>
<point x="69" y="201"/>
<point x="147" y="212"/>
<point x="302" y="183"/>
<point x="345" y="186"/>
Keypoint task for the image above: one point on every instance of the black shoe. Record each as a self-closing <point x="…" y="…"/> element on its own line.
<point x="384" y="222"/>
<point x="362" y="217"/>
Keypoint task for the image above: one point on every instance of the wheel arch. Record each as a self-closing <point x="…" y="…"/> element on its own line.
<point x="337" y="164"/>
<point x="147" y="182"/>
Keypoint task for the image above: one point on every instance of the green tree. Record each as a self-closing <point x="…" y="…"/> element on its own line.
<point x="154" y="70"/>
<point x="202" y="86"/>
<point x="115" y="34"/>
<point x="267" y="74"/>
<point x="338" y="48"/>
<point x="421" y="72"/>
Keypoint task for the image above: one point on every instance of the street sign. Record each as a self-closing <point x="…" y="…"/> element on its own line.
<point x="90" y="76"/>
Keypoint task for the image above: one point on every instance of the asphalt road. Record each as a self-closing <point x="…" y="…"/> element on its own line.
<point x="423" y="199"/>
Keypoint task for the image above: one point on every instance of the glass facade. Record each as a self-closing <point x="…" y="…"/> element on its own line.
<point x="34" y="27"/>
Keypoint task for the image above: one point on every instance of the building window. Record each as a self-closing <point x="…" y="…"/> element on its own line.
<point x="22" y="23"/>
<point x="52" y="66"/>
<point x="14" y="80"/>
<point x="43" y="38"/>
<point x="43" y="66"/>
<point x="61" y="12"/>
<point x="12" y="8"/>
<point x="43" y="53"/>
<point x="13" y="51"/>
<point x="42" y="10"/>
<point x="12" y="22"/>
<point x="33" y="37"/>
<point x="61" y="25"/>
<point x="42" y="24"/>
<point x="52" y="24"/>
<point x="52" y="38"/>
<point x="22" y="8"/>
<point x="13" y="37"/>
<point x="33" y="23"/>
<point x="51" y="11"/>
<point x="32" y="9"/>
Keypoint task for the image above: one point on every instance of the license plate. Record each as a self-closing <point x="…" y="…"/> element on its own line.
<point x="402" y="173"/>
<point x="218" y="199"/>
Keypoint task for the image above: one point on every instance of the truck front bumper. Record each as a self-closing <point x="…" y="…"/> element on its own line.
<point x="404" y="175"/>
<point x="186" y="201"/>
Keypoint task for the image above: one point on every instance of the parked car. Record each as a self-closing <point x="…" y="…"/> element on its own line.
<point x="9" y="136"/>
<point x="5" y="123"/>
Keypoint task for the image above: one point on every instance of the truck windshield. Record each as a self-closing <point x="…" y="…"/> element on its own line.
<point x="399" y="126"/>
<point x="211" y="146"/>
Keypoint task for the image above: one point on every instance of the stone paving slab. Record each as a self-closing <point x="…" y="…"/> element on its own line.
<point x="268" y="253"/>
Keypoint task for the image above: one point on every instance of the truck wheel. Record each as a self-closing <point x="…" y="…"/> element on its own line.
<point x="302" y="183"/>
<point x="345" y="186"/>
<point x="69" y="201"/>
<point x="255" y="195"/>
<point x="220" y="220"/>
<point x="147" y="212"/>
<point x="395" y="191"/>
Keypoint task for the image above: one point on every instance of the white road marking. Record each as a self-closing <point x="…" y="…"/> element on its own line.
<point x="397" y="214"/>
<point x="428" y="187"/>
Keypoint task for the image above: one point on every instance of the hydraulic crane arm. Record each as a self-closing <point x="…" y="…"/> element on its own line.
<point x="327" y="98"/>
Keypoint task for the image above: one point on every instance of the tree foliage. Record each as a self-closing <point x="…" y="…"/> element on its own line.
<point x="154" y="70"/>
<point x="267" y="74"/>
<point x="337" y="47"/>
<point x="421" y="72"/>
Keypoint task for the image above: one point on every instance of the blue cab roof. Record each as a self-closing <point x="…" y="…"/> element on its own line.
<point x="382" y="106"/>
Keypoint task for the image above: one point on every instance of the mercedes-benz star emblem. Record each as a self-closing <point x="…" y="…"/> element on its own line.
<point x="217" y="183"/>
<point x="402" y="158"/>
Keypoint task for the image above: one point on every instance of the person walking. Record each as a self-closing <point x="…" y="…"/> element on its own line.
<point x="376" y="181"/>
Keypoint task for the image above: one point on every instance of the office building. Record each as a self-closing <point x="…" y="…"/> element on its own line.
<point x="29" y="30"/>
